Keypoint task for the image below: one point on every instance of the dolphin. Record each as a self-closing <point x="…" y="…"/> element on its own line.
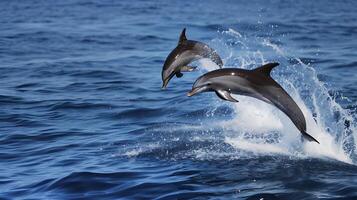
<point x="186" y="52"/>
<point x="256" y="83"/>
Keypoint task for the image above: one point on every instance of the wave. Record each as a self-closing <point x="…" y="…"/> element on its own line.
<point x="82" y="105"/>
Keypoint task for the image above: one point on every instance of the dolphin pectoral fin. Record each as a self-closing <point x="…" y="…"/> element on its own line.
<point x="225" y="95"/>
<point x="188" y="69"/>
<point x="179" y="74"/>
<point x="309" y="137"/>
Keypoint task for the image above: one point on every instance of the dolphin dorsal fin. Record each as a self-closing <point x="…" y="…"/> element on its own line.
<point x="266" y="69"/>
<point x="182" y="36"/>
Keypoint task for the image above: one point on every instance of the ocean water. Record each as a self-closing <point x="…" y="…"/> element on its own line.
<point x="83" y="115"/>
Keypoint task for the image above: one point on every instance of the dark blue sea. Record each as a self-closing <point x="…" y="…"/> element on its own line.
<point x="83" y="115"/>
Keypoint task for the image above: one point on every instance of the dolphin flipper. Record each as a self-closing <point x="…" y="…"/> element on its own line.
<point x="185" y="69"/>
<point x="309" y="137"/>
<point x="225" y="95"/>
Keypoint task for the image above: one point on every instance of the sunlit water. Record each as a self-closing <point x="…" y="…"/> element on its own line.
<point x="84" y="117"/>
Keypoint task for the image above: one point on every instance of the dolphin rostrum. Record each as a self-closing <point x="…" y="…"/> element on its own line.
<point x="186" y="52"/>
<point x="255" y="83"/>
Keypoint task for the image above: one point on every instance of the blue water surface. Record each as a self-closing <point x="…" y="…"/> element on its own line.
<point x="83" y="115"/>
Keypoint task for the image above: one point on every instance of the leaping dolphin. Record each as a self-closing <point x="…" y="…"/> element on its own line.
<point x="186" y="52"/>
<point x="255" y="83"/>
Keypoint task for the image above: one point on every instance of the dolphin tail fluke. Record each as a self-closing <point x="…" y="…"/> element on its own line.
<point x="217" y="59"/>
<point x="309" y="137"/>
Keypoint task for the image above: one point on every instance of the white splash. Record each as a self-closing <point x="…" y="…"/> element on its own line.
<point x="208" y="65"/>
<point x="277" y="49"/>
<point x="136" y="151"/>
<point x="261" y="148"/>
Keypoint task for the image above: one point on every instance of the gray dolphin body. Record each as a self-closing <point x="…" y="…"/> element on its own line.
<point x="186" y="52"/>
<point x="255" y="83"/>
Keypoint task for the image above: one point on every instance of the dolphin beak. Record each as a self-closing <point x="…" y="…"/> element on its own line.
<point x="195" y="91"/>
<point x="190" y="93"/>
<point x="164" y="84"/>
